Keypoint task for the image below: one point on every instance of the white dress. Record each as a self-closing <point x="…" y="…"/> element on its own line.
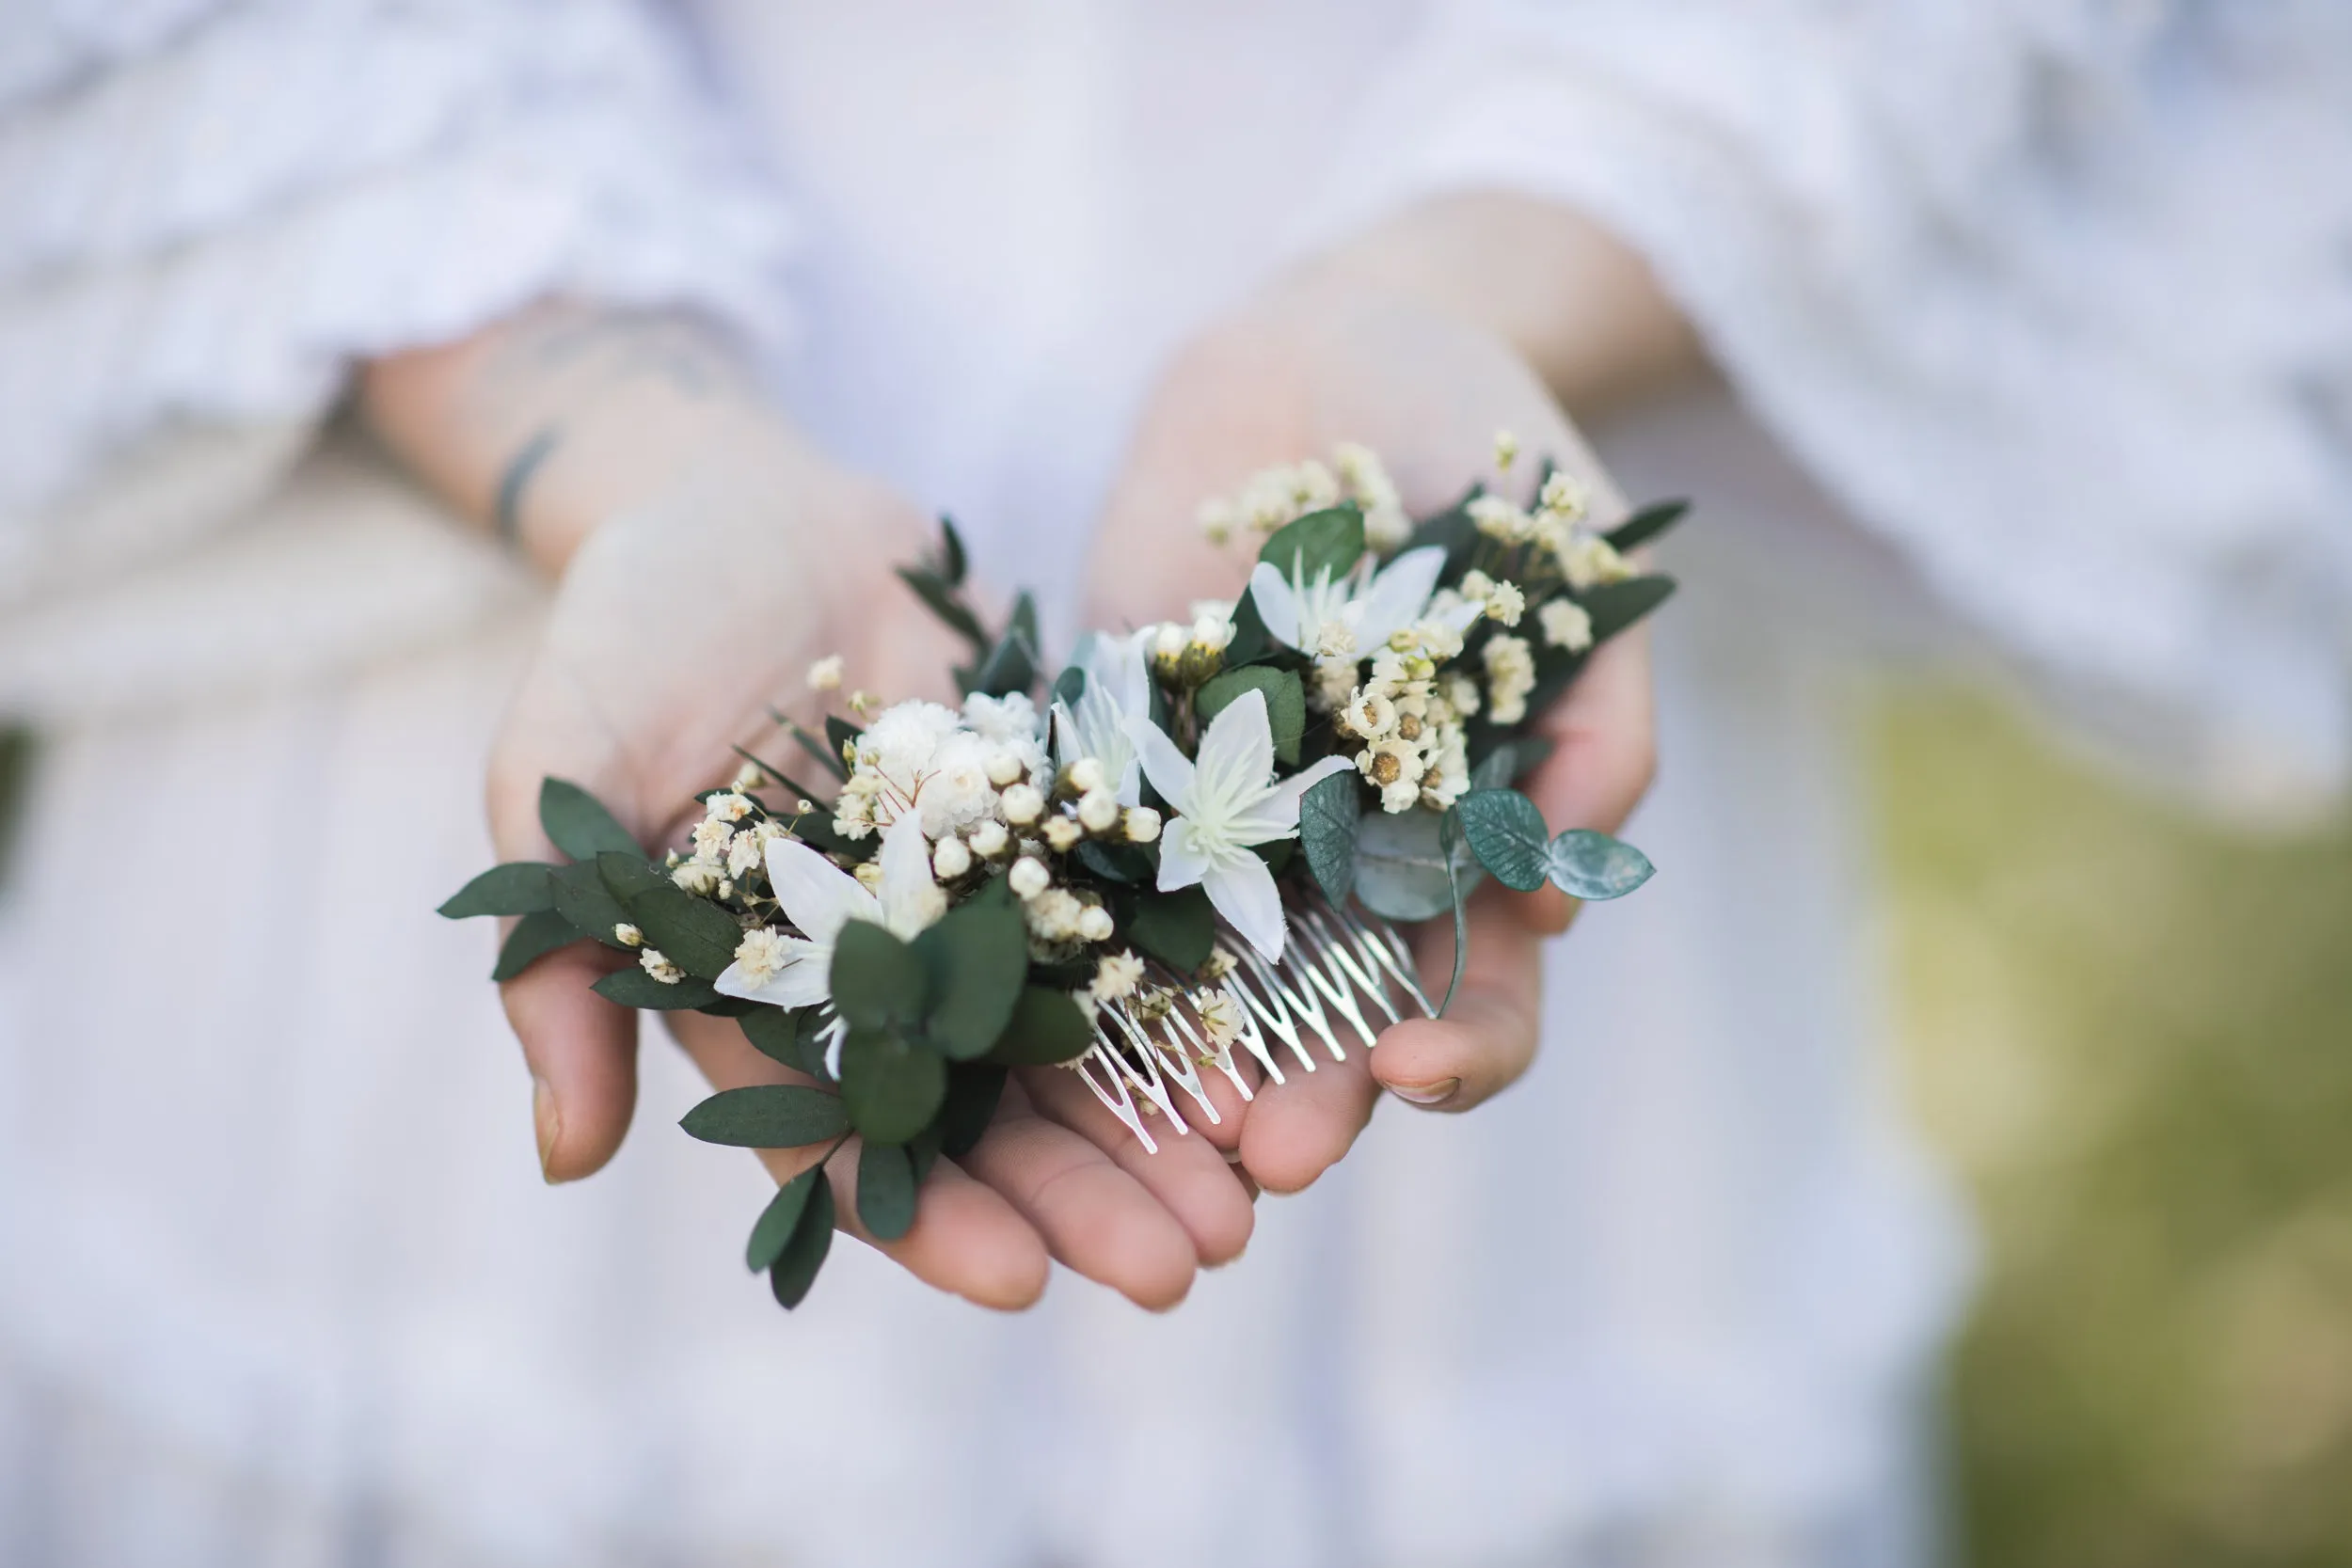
<point x="281" y="1285"/>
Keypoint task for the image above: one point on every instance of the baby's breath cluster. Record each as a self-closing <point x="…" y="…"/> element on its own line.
<point x="1282" y="494"/>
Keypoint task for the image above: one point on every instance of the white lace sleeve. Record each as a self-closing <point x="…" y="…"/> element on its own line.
<point x="207" y="210"/>
<point x="2057" y="295"/>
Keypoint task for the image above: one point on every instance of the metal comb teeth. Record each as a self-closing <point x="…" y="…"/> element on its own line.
<point x="1333" y="963"/>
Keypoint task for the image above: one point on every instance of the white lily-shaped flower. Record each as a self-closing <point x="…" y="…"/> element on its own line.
<point x="1369" y="604"/>
<point x="820" y="899"/>
<point x="1225" y="800"/>
<point x="1118" y="688"/>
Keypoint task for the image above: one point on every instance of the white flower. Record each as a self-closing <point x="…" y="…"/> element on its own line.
<point x="1370" y="714"/>
<point x="699" y="878"/>
<point x="825" y="674"/>
<point x="1029" y="876"/>
<point x="1590" y="559"/>
<point x="1098" y="811"/>
<point x="1055" y="913"/>
<point x="1095" y="925"/>
<point x="957" y="789"/>
<point x="951" y="860"/>
<point x="711" y="837"/>
<point x="1369" y="604"/>
<point x="627" y="935"/>
<point x="988" y="839"/>
<point x="1561" y="497"/>
<point x="1219" y="1014"/>
<point x="1565" y="625"/>
<point x="1506" y="449"/>
<point x="820" y="898"/>
<point x="1063" y="834"/>
<point x="743" y="854"/>
<point x="1021" y="804"/>
<point x="1117" y="976"/>
<point x="1510" y="677"/>
<point x="1141" y="824"/>
<point x="1498" y="518"/>
<point x="1224" y="802"/>
<point x="659" y="967"/>
<point x="1506" y="603"/>
<point x="762" y="954"/>
<point x="1118" y="688"/>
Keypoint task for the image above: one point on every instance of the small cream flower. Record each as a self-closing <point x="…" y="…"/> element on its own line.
<point x="1085" y="776"/>
<point x="1506" y="449"/>
<point x="1370" y="714"/>
<point x="1095" y="924"/>
<point x="1216" y="520"/>
<point x="825" y="674"/>
<point x="761" y="956"/>
<point x="711" y="836"/>
<point x="745" y="853"/>
<point x="988" y="839"/>
<point x="1590" y="559"/>
<point x="1460" y="693"/>
<point x="1220" y="963"/>
<point x="1098" y="811"/>
<point x="951" y="859"/>
<point x="750" y="776"/>
<point x="1498" y="518"/>
<point x="1337" y="640"/>
<point x="627" y="935"/>
<point x="1219" y="1014"/>
<point x="1055" y="913"/>
<point x="1062" y="835"/>
<point x="1141" y="824"/>
<point x="1505" y="604"/>
<point x="1565" y="625"/>
<point x="1510" y="677"/>
<point x="1021" y="804"/>
<point x="699" y="878"/>
<point x="662" y="969"/>
<point x="1561" y="497"/>
<point x="1117" y="976"/>
<point x="1029" y="876"/>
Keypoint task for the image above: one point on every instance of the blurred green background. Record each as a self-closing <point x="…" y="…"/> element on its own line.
<point x="2130" y="1031"/>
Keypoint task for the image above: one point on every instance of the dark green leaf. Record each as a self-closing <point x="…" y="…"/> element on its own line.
<point x="795" y="1269"/>
<point x="1046" y="1027"/>
<point x="773" y="1231"/>
<point x="634" y="987"/>
<point x="774" y="1032"/>
<point x="692" y="933"/>
<point x="533" y="938"/>
<point x="578" y="824"/>
<point x="1251" y="641"/>
<point x="1448" y="833"/>
<point x="877" y="981"/>
<point x="627" y="875"/>
<point x="1586" y="864"/>
<point x="1510" y="760"/>
<point x="886" y="1191"/>
<point x="1451" y="530"/>
<point x="1401" y="869"/>
<point x="1507" y="832"/>
<point x="1615" y="606"/>
<point x="732" y="1007"/>
<point x="973" y="1090"/>
<point x="891" y="1087"/>
<point x="923" y="1148"/>
<point x="841" y="736"/>
<point x="1646" y="524"/>
<point x="1011" y="664"/>
<point x="975" y="958"/>
<point x="1330" y="541"/>
<point x="1285" y="704"/>
<point x="767" y="1116"/>
<point x="827" y="757"/>
<point x="1118" y="863"/>
<point x="519" y="887"/>
<point x="952" y="564"/>
<point x="1179" y="928"/>
<point x="1327" y="813"/>
<point x="944" y="602"/>
<point x="581" y="897"/>
<point x="1069" y="686"/>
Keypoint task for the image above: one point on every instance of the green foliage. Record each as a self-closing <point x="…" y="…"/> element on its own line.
<point x="1449" y="833"/>
<point x="891" y="1085"/>
<point x="1327" y="815"/>
<point x="1117" y="862"/>
<point x="533" y="938"/>
<point x="975" y="959"/>
<point x="767" y="1116"/>
<point x="973" y="1090"/>
<point x="519" y="887"/>
<point x="1587" y="865"/>
<point x="692" y="933"/>
<point x="773" y="1231"/>
<point x="775" y="1033"/>
<point x="826" y="756"/>
<point x="1012" y="665"/>
<point x="577" y="824"/>
<point x="1615" y="605"/>
<point x="1285" y="704"/>
<point x="1252" y="642"/>
<point x="633" y="987"/>
<point x="841" y="736"/>
<point x="795" y="1268"/>
<point x="1401" y="872"/>
<point x="1507" y="835"/>
<point x="1046" y="1028"/>
<point x="627" y="874"/>
<point x="939" y="596"/>
<point x="581" y="897"/>
<point x="886" y="1191"/>
<point x="1178" y="928"/>
<point x="878" y="981"/>
<point x="1332" y="540"/>
<point x="1646" y="524"/>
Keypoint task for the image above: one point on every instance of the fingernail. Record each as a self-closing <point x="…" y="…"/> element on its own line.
<point x="546" y="1121"/>
<point x="1427" y="1094"/>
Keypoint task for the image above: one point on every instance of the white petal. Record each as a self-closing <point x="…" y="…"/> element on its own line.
<point x="1130" y="685"/>
<point x="1281" y="802"/>
<point x="1237" y="759"/>
<point x="1397" y="596"/>
<point x="1180" y="864"/>
<point x="1244" y="893"/>
<point x="906" y="871"/>
<point x="1163" y="763"/>
<point x="1277" y="607"/>
<point x="839" y="1032"/>
<point x="805" y="979"/>
<point x="817" y="895"/>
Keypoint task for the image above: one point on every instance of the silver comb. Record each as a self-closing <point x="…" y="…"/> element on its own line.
<point x="1333" y="963"/>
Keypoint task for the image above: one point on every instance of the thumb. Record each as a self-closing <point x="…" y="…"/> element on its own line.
<point x="1604" y="754"/>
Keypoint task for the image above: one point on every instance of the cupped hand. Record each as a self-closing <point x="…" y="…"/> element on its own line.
<point x="1320" y="360"/>
<point x="677" y="625"/>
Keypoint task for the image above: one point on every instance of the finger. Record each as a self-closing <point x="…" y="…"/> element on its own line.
<point x="1301" y="1127"/>
<point x="1094" y="1216"/>
<point x="1223" y="1131"/>
<point x="1488" y="1034"/>
<point x="1604" y="754"/>
<point x="965" y="1239"/>
<point x="582" y="1052"/>
<point x="1188" y="1174"/>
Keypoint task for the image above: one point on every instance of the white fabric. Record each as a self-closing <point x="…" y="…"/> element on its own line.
<point x="282" y="1285"/>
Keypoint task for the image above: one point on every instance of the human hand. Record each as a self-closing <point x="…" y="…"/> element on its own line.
<point x="1332" y="357"/>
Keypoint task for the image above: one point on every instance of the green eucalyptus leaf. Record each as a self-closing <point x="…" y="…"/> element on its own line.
<point x="1011" y="664"/>
<point x="692" y="933"/>
<point x="952" y="561"/>
<point x="1615" y="606"/>
<point x="1328" y="814"/>
<point x="878" y="982"/>
<point x="581" y="897"/>
<point x="1117" y="862"/>
<point x="892" y="1087"/>
<point x="775" y="1033"/>
<point x="1330" y="541"/>
<point x="940" y="597"/>
<point x="767" y="1116"/>
<point x="578" y="824"/>
<point x="634" y="987"/>
<point x="773" y="1231"/>
<point x="1046" y="1028"/>
<point x="1069" y="686"/>
<point x="1646" y="524"/>
<point x="827" y="757"/>
<point x="626" y="875"/>
<point x="1401" y="869"/>
<point x="795" y="1269"/>
<point x="972" y="1091"/>
<point x="840" y="734"/>
<point x="886" y="1191"/>
<point x="1179" y="928"/>
<point x="975" y="957"/>
<point x="1586" y="864"/>
<point x="923" y="1148"/>
<point x="519" y="887"/>
<point x="1509" y="761"/>
<point x="533" y="938"/>
<point x="1285" y="704"/>
<point x="1252" y="642"/>
<point x="1507" y="832"/>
